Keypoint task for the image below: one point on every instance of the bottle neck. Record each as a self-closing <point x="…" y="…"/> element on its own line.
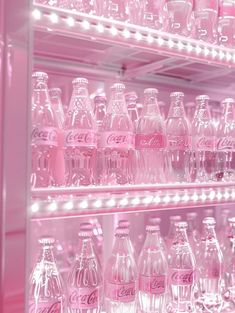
<point x="176" y="109"/>
<point x="40" y="96"/>
<point x="86" y="248"/>
<point x="121" y="245"/>
<point x="80" y="100"/>
<point x="181" y="237"/>
<point x="229" y="112"/>
<point x="47" y="254"/>
<point x="210" y="234"/>
<point x="152" y="240"/>
<point x="117" y="104"/>
<point x="151" y="106"/>
<point x="203" y="112"/>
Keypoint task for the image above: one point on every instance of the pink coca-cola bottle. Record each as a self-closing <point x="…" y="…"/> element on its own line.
<point x="152" y="273"/>
<point x="84" y="280"/>
<point x="226" y="24"/>
<point x="182" y="270"/>
<point x="116" y="140"/>
<point x="178" y="140"/>
<point x="210" y="269"/>
<point x="171" y="233"/>
<point x="80" y="137"/>
<point x="178" y="16"/>
<point x="203" y="141"/>
<point x="150" y="141"/>
<point x="45" y="133"/>
<point x="225" y="147"/>
<point x="152" y="13"/>
<point x="46" y="292"/>
<point x="121" y="276"/>
<point x="206" y="18"/>
<point x="59" y="162"/>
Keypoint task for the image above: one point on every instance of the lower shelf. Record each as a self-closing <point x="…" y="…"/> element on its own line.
<point x="66" y="202"/>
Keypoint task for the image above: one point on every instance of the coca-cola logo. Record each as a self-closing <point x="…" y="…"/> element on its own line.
<point x="126" y="291"/>
<point x="205" y="142"/>
<point x="184" y="278"/>
<point x="45" y="307"/>
<point x="149" y="141"/>
<point x="46" y="134"/>
<point x="178" y="142"/>
<point x="84" y="297"/>
<point x="79" y="138"/>
<point x="226" y="144"/>
<point x="157" y="283"/>
<point x="114" y="139"/>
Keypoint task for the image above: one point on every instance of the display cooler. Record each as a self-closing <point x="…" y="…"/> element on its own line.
<point x="67" y="44"/>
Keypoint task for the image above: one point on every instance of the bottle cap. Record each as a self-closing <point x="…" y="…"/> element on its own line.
<point x="177" y="94"/>
<point x="228" y="100"/>
<point x="118" y="86"/>
<point x="42" y="75"/>
<point x="191" y="215"/>
<point x="123" y="223"/>
<point x="209" y="221"/>
<point x="119" y="231"/>
<point x="154" y="220"/>
<point x="181" y="225"/>
<point x="151" y="90"/>
<point x="175" y="218"/>
<point x="152" y="228"/>
<point x="202" y="98"/>
<point x="80" y="80"/>
<point x="46" y="241"/>
<point x="85" y="230"/>
<point x="54" y="92"/>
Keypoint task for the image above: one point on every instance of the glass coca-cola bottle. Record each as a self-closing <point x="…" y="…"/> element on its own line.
<point x="46" y="292"/>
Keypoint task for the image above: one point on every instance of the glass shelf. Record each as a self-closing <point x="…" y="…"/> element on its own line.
<point x="65" y="202"/>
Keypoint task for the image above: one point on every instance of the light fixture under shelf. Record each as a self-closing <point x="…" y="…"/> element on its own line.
<point x="75" y="24"/>
<point x="62" y="202"/>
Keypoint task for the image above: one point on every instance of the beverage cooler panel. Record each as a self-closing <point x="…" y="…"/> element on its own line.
<point x="118" y="156"/>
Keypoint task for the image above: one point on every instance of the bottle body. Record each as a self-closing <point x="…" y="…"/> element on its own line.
<point x="116" y="10"/>
<point x="226" y="24"/>
<point x="152" y="274"/>
<point x="121" y="276"/>
<point x="46" y="291"/>
<point x="84" y="280"/>
<point x="45" y="133"/>
<point x="150" y="142"/>
<point x="178" y="17"/>
<point x="116" y="141"/>
<point x="178" y="141"/>
<point x="206" y="18"/>
<point x="80" y="138"/>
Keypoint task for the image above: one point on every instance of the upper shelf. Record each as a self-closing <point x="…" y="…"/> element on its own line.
<point x="93" y="44"/>
<point x="64" y="202"/>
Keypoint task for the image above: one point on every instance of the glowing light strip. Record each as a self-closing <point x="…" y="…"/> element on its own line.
<point x="108" y="27"/>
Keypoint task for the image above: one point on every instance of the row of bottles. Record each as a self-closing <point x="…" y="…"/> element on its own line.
<point x="171" y="275"/>
<point x="210" y="21"/>
<point x="76" y="149"/>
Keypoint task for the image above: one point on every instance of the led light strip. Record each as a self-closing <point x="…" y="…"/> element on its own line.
<point x="182" y="46"/>
<point x="107" y="203"/>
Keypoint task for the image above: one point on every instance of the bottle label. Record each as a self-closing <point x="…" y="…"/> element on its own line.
<point x="45" y="307"/>
<point x="121" y="140"/>
<point x="178" y="142"/>
<point x="226" y="143"/>
<point x="44" y="136"/>
<point x="121" y="292"/>
<point x="151" y="141"/>
<point x="204" y="143"/>
<point x="182" y="277"/>
<point x="83" y="298"/>
<point x="80" y="138"/>
<point x="152" y="284"/>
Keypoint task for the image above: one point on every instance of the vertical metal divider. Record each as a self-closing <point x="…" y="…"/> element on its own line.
<point x="14" y="151"/>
